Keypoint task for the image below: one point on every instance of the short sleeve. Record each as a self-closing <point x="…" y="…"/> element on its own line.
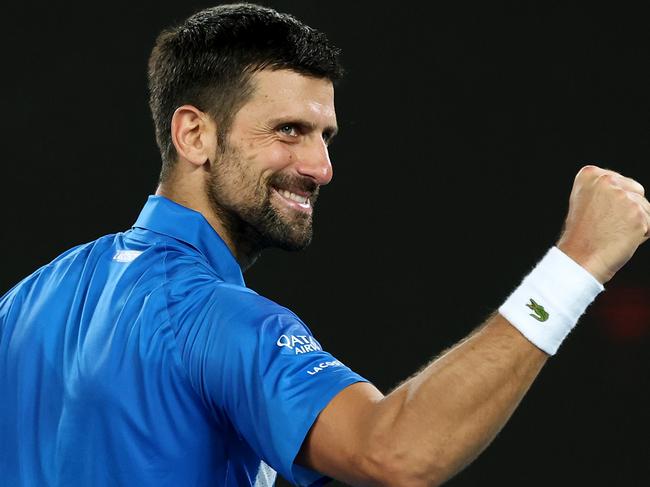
<point x="267" y="373"/>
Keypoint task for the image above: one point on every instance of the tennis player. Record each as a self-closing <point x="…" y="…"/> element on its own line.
<point x="142" y="359"/>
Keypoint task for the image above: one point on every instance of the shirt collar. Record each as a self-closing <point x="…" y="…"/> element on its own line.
<point x="162" y="215"/>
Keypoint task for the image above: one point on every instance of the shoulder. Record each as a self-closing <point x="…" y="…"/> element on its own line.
<point x="60" y="264"/>
<point x="210" y="314"/>
<point x="230" y="303"/>
<point x="225" y="320"/>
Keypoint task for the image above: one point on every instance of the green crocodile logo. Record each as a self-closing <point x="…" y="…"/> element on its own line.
<point x="540" y="313"/>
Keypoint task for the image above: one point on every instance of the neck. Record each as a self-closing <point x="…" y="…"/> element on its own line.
<point x="238" y="242"/>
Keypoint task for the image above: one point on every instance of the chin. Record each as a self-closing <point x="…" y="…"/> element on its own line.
<point x="277" y="229"/>
<point x="294" y="245"/>
<point x="291" y="237"/>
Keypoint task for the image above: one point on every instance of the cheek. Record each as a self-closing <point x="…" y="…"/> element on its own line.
<point x="276" y="158"/>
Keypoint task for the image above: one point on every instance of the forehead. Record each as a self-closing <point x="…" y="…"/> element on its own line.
<point x="284" y="93"/>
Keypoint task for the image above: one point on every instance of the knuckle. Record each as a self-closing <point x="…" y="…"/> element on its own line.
<point x="637" y="200"/>
<point x="637" y="217"/>
<point x="632" y="202"/>
<point x="586" y="173"/>
<point x="606" y="179"/>
<point x="619" y="193"/>
<point x="639" y="187"/>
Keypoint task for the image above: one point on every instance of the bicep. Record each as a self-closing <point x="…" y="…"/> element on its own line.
<point x="338" y="439"/>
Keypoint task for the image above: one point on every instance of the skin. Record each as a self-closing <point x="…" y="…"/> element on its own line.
<point x="277" y="141"/>
<point x="440" y="419"/>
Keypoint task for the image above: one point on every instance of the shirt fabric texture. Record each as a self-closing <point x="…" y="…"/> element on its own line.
<point x="142" y="359"/>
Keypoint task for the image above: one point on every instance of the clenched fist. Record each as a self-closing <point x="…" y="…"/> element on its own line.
<point x="608" y="219"/>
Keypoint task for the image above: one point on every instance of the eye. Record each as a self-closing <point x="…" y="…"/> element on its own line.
<point x="289" y="129"/>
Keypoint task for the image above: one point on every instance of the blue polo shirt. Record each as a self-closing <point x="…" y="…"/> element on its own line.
<point x="142" y="359"/>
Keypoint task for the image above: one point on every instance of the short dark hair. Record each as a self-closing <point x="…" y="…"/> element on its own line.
<point x="207" y="61"/>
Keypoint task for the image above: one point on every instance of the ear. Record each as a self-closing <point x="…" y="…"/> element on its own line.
<point x="194" y="134"/>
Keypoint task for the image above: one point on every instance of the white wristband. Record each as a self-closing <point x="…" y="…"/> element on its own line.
<point x="547" y="304"/>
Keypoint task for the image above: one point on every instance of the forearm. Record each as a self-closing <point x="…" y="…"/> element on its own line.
<point x="438" y="421"/>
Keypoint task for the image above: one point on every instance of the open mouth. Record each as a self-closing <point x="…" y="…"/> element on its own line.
<point x="297" y="201"/>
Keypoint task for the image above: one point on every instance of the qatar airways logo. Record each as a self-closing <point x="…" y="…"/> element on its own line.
<point x="298" y="344"/>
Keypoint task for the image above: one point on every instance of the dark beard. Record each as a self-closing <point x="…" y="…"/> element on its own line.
<point x="259" y="225"/>
<point x="273" y="231"/>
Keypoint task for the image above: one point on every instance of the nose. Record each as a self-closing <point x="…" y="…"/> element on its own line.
<point x="314" y="161"/>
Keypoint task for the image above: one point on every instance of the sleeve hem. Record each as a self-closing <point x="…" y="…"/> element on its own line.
<point x="304" y="474"/>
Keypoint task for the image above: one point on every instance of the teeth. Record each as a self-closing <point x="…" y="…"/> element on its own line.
<point x="303" y="200"/>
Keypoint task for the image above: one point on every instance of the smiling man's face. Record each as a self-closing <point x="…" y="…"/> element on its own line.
<point x="265" y="180"/>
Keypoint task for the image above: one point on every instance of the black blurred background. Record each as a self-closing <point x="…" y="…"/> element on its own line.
<point x="462" y="127"/>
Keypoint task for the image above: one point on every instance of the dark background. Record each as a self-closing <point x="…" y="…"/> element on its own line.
<point x="461" y="131"/>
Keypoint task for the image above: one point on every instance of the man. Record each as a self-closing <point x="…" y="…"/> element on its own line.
<point x="142" y="359"/>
